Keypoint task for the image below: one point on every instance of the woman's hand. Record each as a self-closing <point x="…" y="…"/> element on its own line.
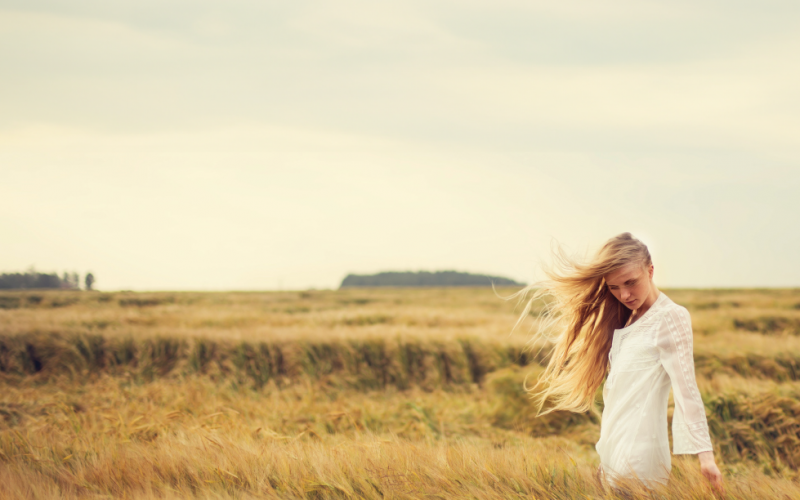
<point x="709" y="469"/>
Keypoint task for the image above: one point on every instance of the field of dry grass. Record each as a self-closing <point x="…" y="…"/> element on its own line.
<point x="353" y="394"/>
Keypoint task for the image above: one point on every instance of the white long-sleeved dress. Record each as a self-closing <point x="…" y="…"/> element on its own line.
<point x="647" y="358"/>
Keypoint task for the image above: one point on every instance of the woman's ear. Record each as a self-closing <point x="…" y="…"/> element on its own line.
<point x="650" y="271"/>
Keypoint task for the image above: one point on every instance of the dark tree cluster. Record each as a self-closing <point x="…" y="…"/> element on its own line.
<point x="33" y="279"/>
<point x="424" y="279"/>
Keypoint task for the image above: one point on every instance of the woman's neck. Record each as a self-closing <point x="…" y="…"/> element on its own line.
<point x="652" y="296"/>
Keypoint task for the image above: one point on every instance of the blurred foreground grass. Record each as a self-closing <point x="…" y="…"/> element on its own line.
<point x="352" y="394"/>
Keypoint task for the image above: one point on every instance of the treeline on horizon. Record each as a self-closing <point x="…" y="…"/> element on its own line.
<point x="424" y="279"/>
<point x="32" y="279"/>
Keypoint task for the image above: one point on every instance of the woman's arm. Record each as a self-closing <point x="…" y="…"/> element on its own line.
<point x="689" y="425"/>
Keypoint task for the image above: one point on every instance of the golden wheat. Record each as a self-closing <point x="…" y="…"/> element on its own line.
<point x="352" y="394"/>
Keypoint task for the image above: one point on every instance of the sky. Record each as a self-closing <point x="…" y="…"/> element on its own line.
<point x="263" y="145"/>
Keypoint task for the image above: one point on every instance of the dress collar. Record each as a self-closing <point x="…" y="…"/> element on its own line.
<point x="659" y="300"/>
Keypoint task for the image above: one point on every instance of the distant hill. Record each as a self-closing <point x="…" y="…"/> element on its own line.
<point x="424" y="278"/>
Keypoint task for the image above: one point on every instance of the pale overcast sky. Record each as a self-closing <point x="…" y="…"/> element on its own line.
<point x="273" y="144"/>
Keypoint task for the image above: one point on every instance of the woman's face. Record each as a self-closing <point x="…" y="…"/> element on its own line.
<point x="631" y="284"/>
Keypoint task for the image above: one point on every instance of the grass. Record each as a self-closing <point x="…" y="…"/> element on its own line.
<point x="352" y="394"/>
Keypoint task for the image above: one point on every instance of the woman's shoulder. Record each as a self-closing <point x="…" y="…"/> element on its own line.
<point x="673" y="317"/>
<point x="668" y="308"/>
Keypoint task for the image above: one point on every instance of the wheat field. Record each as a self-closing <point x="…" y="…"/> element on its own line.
<point x="384" y="393"/>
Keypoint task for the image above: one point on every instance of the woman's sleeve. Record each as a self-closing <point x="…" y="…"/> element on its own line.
<point x="689" y="425"/>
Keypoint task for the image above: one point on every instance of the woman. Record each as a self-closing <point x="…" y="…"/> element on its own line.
<point x="612" y="320"/>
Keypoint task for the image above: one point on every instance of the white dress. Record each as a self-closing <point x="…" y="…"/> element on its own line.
<point x="647" y="358"/>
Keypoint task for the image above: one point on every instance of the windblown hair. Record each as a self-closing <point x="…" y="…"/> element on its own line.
<point x="578" y="322"/>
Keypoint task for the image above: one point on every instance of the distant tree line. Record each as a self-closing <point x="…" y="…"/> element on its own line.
<point x="423" y="279"/>
<point x="33" y="279"/>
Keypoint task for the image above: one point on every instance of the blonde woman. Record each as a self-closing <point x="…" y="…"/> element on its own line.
<point x="612" y="322"/>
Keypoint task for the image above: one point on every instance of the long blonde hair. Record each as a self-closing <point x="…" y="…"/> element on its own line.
<point x="582" y="313"/>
